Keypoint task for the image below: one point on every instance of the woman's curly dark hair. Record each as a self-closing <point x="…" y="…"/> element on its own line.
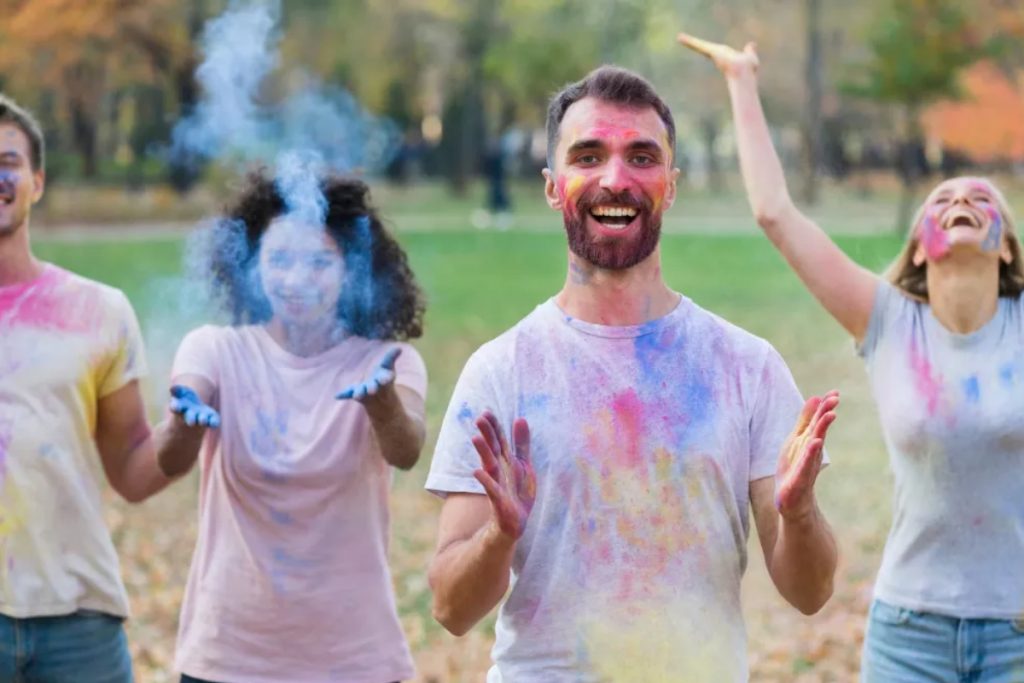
<point x="379" y="299"/>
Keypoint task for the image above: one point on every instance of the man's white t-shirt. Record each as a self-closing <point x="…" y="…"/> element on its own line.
<point x="65" y="343"/>
<point x="645" y="440"/>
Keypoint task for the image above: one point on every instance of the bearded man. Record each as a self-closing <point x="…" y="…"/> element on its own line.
<point x="643" y="428"/>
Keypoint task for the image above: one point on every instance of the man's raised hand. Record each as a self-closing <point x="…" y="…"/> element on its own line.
<point x="507" y="475"/>
<point x="801" y="456"/>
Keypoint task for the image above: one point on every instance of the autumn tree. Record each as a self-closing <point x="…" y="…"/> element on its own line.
<point x="916" y="52"/>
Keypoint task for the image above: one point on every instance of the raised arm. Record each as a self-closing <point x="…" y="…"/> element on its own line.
<point x="799" y="548"/>
<point x="844" y="288"/>
<point x="477" y="535"/>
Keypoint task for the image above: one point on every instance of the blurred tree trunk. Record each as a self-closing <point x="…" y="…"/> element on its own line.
<point x="471" y="116"/>
<point x="814" y="69"/>
<point x="908" y="166"/>
<point x="709" y="135"/>
<point x="184" y="173"/>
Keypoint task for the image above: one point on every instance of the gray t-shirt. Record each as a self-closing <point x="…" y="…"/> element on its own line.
<point x="645" y="440"/>
<point x="952" y="412"/>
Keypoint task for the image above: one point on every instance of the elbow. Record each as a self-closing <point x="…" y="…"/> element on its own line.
<point x="444" y="616"/>
<point x="774" y="214"/>
<point x="408" y="460"/>
<point x="408" y="455"/>
<point x="132" y="495"/>
<point x="767" y="220"/>
<point x="812" y="604"/>
<point x="441" y="608"/>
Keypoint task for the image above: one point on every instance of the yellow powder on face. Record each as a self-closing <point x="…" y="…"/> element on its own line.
<point x="572" y="188"/>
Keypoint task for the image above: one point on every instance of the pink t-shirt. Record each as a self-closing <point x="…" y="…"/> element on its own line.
<point x="290" y="578"/>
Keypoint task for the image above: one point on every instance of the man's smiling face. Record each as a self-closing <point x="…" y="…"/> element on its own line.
<point x="20" y="186"/>
<point x="613" y="178"/>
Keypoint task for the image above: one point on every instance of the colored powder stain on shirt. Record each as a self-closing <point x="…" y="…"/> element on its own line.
<point x="465" y="414"/>
<point x="45" y="304"/>
<point x="279" y="517"/>
<point x="628" y="417"/>
<point x="533" y="405"/>
<point x="646" y="650"/>
<point x="6" y="434"/>
<point x="928" y="384"/>
<point x="972" y="389"/>
<point x="1006" y="375"/>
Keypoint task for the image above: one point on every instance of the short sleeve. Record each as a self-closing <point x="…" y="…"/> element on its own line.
<point x="455" y="457"/>
<point x="411" y="373"/>
<point x="197" y="355"/>
<point x="777" y="405"/>
<point x="127" y="359"/>
<point x="890" y="303"/>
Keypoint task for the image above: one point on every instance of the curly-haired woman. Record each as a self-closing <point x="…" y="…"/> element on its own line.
<point x="290" y="581"/>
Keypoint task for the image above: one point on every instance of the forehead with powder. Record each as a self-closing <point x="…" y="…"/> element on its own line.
<point x="289" y="234"/>
<point x="591" y="117"/>
<point x="965" y="184"/>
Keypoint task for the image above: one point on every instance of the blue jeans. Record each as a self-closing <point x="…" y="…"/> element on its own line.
<point x="85" y="647"/>
<point x="905" y="646"/>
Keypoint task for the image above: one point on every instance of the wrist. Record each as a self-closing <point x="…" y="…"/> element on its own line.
<point x="742" y="76"/>
<point x="385" y="405"/>
<point x="496" y="539"/>
<point x="801" y="519"/>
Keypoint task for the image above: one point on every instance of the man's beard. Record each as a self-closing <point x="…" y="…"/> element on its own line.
<point x="610" y="253"/>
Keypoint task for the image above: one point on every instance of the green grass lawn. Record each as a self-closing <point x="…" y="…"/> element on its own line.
<point x="479" y="283"/>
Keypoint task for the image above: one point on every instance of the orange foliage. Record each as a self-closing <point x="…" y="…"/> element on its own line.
<point x="988" y="124"/>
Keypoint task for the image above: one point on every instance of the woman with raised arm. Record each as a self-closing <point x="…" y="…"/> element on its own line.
<point x="942" y="336"/>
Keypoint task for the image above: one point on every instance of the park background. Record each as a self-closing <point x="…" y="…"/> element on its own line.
<point x="871" y="103"/>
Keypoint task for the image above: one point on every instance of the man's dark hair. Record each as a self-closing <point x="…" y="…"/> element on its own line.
<point x="609" y="84"/>
<point x="379" y="299"/>
<point x="12" y="113"/>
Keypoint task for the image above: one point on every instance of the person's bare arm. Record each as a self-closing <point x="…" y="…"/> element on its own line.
<point x="127" y="445"/>
<point x="397" y="423"/>
<point x="470" y="570"/>
<point x="180" y="436"/>
<point x="844" y="288"/>
<point x="798" y="545"/>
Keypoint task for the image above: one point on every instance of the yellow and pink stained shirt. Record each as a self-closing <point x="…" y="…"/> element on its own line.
<point x="645" y="440"/>
<point x="290" y="578"/>
<point x="65" y="343"/>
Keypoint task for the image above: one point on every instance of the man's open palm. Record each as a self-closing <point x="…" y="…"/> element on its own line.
<point x="801" y="456"/>
<point x="507" y="474"/>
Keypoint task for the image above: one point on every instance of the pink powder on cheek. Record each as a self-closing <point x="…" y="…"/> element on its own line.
<point x="932" y="237"/>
